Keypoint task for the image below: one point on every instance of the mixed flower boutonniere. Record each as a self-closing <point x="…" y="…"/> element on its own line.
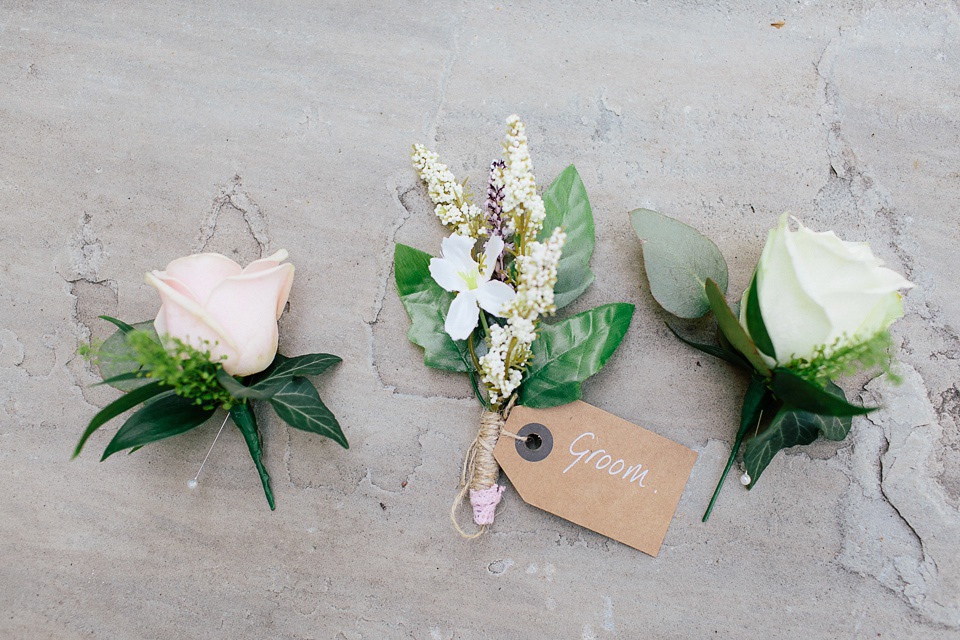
<point x="817" y="309"/>
<point x="213" y="345"/>
<point x="479" y="308"/>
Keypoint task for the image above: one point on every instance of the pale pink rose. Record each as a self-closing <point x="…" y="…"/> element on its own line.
<point x="213" y="304"/>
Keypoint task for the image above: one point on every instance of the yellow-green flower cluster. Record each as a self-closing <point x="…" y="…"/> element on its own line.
<point x="450" y="196"/>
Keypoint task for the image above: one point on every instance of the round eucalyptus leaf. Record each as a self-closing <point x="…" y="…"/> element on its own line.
<point x="679" y="260"/>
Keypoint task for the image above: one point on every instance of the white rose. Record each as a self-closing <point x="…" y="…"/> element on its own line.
<point x="814" y="290"/>
<point x="213" y="304"/>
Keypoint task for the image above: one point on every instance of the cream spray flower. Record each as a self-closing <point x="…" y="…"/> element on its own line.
<point x="211" y="302"/>
<point x="458" y="271"/>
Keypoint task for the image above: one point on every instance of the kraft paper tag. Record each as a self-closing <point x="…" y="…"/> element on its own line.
<point x="596" y="470"/>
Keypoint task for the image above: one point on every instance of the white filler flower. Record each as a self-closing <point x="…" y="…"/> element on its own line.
<point x="818" y="291"/>
<point x="458" y="271"/>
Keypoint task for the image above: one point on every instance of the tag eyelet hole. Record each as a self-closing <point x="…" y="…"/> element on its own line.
<point x="533" y="442"/>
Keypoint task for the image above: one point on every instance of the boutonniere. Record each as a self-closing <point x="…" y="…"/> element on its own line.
<point x="817" y="309"/>
<point x="212" y="346"/>
<point x="480" y="307"/>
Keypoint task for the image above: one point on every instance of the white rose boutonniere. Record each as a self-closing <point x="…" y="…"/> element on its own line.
<point x="818" y="308"/>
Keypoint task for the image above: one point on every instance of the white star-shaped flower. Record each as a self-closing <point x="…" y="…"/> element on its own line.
<point x="458" y="271"/>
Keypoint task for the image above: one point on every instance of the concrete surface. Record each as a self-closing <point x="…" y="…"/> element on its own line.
<point x="134" y="133"/>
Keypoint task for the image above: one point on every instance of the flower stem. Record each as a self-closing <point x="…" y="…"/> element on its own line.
<point x="753" y="402"/>
<point x="726" y="470"/>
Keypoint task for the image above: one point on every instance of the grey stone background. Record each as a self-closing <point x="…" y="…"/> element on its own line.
<point x="133" y="133"/>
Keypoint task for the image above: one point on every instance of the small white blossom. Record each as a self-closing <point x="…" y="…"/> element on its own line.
<point x="452" y="208"/>
<point x="523" y="209"/>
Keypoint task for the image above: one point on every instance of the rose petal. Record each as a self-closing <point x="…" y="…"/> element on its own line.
<point x="247" y="306"/>
<point x="445" y="274"/>
<point x="491" y="253"/>
<point x="202" y="272"/>
<point x="493" y="295"/>
<point x="463" y="316"/>
<point x="180" y="316"/>
<point x="795" y="322"/>
<point x="266" y="263"/>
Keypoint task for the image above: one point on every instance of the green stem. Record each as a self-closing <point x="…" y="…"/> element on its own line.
<point x="476" y="364"/>
<point x="726" y="470"/>
<point x="483" y="321"/>
<point x="753" y="402"/>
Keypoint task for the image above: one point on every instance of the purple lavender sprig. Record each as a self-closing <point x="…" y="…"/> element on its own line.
<point x="495" y="215"/>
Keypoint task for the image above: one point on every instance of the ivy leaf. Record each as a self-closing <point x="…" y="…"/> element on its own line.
<point x="732" y="330"/>
<point x="308" y="364"/>
<point x="167" y="415"/>
<point x="246" y="421"/>
<point x="806" y="396"/>
<point x="758" y="330"/>
<point x="123" y="403"/>
<point x="567" y="206"/>
<point x="792" y="427"/>
<point x="242" y="392"/>
<point x="427" y="304"/>
<point x="116" y="357"/>
<point x="298" y="404"/>
<point x="570" y="351"/>
<point x="723" y="353"/>
<point x="679" y="260"/>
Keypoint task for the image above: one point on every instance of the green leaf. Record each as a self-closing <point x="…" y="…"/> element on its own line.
<point x="567" y="206"/>
<point x="166" y="416"/>
<point x="427" y="304"/>
<point x="116" y="357"/>
<point x="238" y="390"/>
<point x="123" y="403"/>
<point x="731" y="328"/>
<point x="679" y="260"/>
<point x="123" y="377"/>
<point x="298" y="404"/>
<point x="755" y="324"/>
<point x="732" y="357"/>
<point x="246" y="421"/>
<point x="309" y="364"/>
<point x="806" y="396"/>
<point x="792" y="427"/>
<point x="754" y="401"/>
<point x="119" y="324"/>
<point x="570" y="351"/>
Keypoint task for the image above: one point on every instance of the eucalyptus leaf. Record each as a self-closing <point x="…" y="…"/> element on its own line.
<point x="792" y="427"/>
<point x="567" y="206"/>
<point x="806" y="396"/>
<point x="755" y="324"/>
<point x="298" y="404"/>
<point x="123" y="403"/>
<point x="731" y="328"/>
<point x="246" y="422"/>
<point x="570" y="351"/>
<point x="679" y="260"/>
<point x="166" y="416"/>
<point x="427" y="304"/>
<point x="115" y="357"/>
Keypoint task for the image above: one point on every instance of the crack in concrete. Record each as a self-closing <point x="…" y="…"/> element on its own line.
<point x="235" y="196"/>
<point x="444" y="79"/>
